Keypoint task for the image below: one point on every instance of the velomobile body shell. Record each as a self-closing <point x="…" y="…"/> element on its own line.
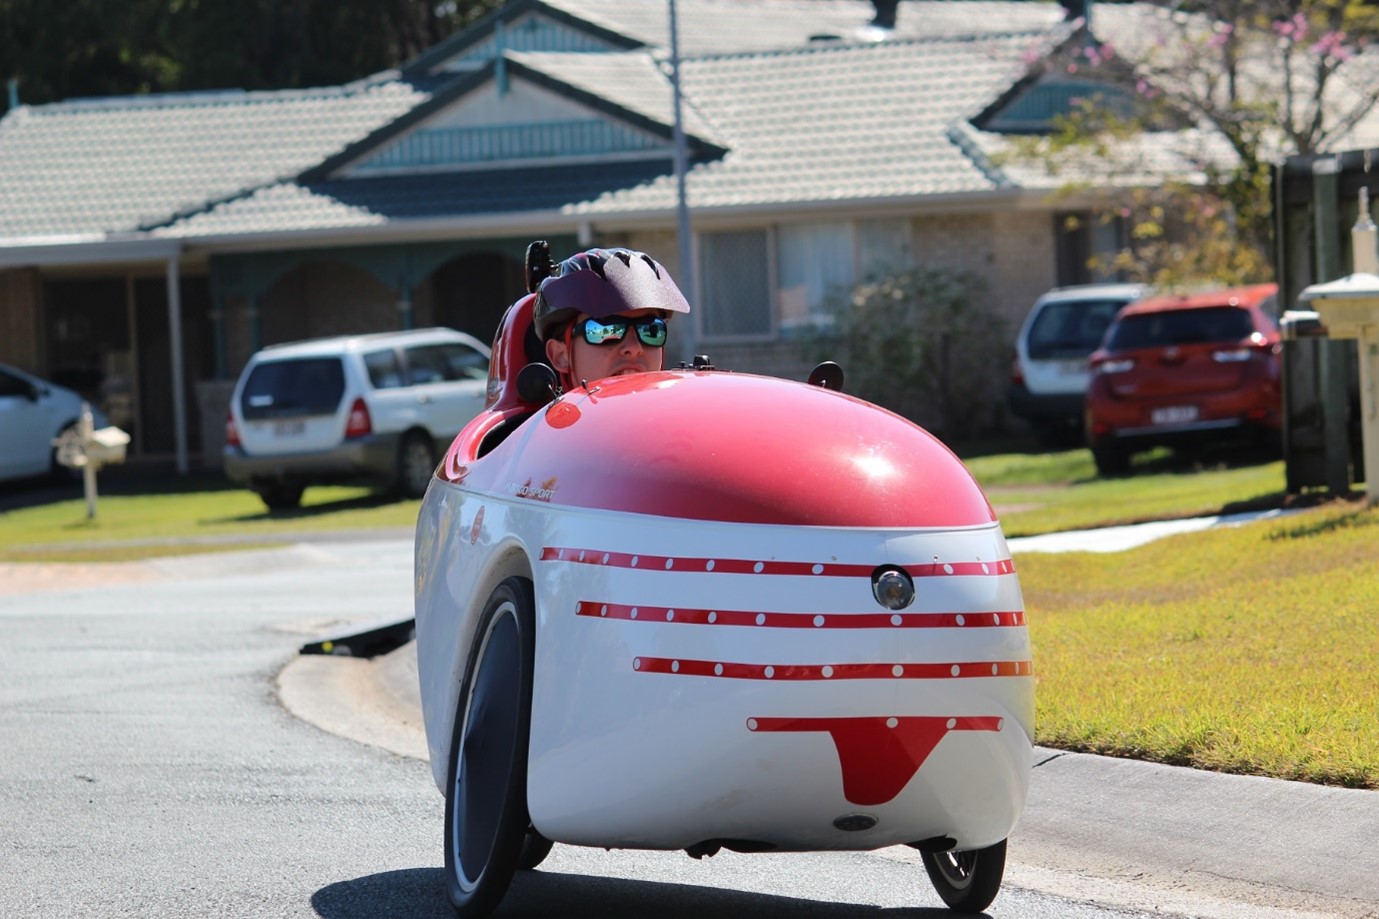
<point x="710" y="661"/>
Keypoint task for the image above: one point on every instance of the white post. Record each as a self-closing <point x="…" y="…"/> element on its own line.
<point x="85" y="426"/>
<point x="179" y="406"/>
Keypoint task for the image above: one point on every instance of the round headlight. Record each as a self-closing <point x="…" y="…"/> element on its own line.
<point x="892" y="587"/>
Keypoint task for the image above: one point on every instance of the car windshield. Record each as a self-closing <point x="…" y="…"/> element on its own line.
<point x="1180" y="327"/>
<point x="306" y="386"/>
<point x="1072" y="328"/>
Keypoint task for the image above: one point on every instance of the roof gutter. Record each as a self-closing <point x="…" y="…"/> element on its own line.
<point x="93" y="249"/>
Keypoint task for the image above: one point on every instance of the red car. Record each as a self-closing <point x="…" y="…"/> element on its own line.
<point x="1185" y="370"/>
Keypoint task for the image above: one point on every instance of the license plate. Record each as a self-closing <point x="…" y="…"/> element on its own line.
<point x="288" y="428"/>
<point x="1072" y="368"/>
<point x="1173" y="414"/>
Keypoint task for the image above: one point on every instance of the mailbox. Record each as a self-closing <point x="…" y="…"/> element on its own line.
<point x="82" y="448"/>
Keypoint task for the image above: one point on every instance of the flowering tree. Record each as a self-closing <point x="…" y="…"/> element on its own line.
<point x="1222" y="88"/>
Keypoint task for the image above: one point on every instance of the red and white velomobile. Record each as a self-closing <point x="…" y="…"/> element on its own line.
<point x="695" y="610"/>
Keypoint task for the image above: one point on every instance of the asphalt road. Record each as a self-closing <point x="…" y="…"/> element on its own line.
<point x="150" y="769"/>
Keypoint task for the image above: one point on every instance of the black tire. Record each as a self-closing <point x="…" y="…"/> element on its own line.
<point x="281" y="496"/>
<point x="1111" y="461"/>
<point x="967" y="881"/>
<point x="535" y="848"/>
<point x="486" y="820"/>
<point x="416" y="464"/>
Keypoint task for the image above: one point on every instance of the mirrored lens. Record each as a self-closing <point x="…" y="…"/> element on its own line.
<point x="604" y="333"/>
<point x="652" y="331"/>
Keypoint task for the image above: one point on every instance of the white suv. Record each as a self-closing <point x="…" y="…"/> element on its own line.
<point x="375" y="408"/>
<point x="1049" y="378"/>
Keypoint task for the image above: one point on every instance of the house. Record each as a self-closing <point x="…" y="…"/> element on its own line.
<point x="150" y="244"/>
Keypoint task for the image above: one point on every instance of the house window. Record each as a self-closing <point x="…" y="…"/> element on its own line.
<point x="816" y="263"/>
<point x="1086" y="244"/>
<point x="884" y="247"/>
<point x="735" y="285"/>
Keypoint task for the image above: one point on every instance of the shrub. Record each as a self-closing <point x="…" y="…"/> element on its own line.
<point x="924" y="342"/>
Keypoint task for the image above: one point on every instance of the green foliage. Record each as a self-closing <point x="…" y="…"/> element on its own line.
<point x="120" y="47"/>
<point x="922" y="343"/>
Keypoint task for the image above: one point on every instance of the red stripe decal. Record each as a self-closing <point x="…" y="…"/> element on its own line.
<point x="754" y="566"/>
<point x="878" y="755"/>
<point x="912" y="671"/>
<point x="685" y="616"/>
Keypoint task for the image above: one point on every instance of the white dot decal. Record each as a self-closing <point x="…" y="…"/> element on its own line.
<point x="892" y="722"/>
<point x="751" y="724"/>
<point x="952" y="723"/>
<point x="896" y="620"/>
<point x="670" y="615"/>
<point x="603" y="610"/>
<point x="897" y="670"/>
<point x="634" y="612"/>
<point x="581" y="555"/>
<point x="818" y="621"/>
<point x="674" y="666"/>
<point x="761" y="618"/>
<point x="713" y="617"/>
<point x="709" y="565"/>
<point x="1000" y="722"/>
<point x="956" y="670"/>
<point x="985" y="569"/>
<point x="996" y="618"/>
<point x="717" y="669"/>
<point x="827" y="671"/>
<point x="770" y="672"/>
<point x="995" y="669"/>
<point x="635" y="560"/>
<point x="670" y="563"/>
<point x="579" y="607"/>
<point x="757" y="567"/>
<point x="947" y="569"/>
<point x="637" y="663"/>
<point x="961" y="620"/>
<point x="605" y="558"/>
<point x="818" y="569"/>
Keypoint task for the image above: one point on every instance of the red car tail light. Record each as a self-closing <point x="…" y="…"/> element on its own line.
<point x="231" y="430"/>
<point x="1119" y="365"/>
<point x="359" y="423"/>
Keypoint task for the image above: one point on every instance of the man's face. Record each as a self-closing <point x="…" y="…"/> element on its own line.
<point x="584" y="361"/>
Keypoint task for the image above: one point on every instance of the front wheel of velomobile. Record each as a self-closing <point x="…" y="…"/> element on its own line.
<point x="967" y="881"/>
<point x="486" y="802"/>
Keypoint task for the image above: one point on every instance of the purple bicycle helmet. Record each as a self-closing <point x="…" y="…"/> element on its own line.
<point x="602" y="283"/>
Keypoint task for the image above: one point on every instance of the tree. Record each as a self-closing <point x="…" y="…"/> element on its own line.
<point x="119" y="47"/>
<point x="919" y="342"/>
<point x="1230" y="86"/>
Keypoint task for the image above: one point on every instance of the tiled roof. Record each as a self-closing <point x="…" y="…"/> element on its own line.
<point x="375" y="201"/>
<point x="632" y="80"/>
<point x="719" y="26"/>
<point x="842" y="122"/>
<point x="115" y="165"/>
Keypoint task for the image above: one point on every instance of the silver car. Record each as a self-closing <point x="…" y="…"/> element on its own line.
<point x="377" y="408"/>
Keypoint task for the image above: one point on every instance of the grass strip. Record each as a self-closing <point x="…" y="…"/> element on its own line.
<point x="1248" y="650"/>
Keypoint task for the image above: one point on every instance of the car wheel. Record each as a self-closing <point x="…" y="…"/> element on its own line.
<point x="967" y="881"/>
<point x="1111" y="461"/>
<point x="486" y="820"/>
<point x="535" y="848"/>
<point x="281" y="496"/>
<point x="416" y="464"/>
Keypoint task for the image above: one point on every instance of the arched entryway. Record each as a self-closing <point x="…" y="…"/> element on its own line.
<point x="471" y="292"/>
<point x="329" y="297"/>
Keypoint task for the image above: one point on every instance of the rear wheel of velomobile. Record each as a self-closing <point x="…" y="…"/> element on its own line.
<point x="486" y="818"/>
<point x="967" y="881"/>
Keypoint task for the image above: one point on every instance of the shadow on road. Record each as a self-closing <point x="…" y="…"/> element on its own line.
<point x="419" y="893"/>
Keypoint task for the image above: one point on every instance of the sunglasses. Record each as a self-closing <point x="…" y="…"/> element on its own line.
<point x="651" y="330"/>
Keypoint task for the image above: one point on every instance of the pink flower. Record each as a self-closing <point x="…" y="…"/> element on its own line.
<point x="1333" y="44"/>
<point x="1072" y="68"/>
